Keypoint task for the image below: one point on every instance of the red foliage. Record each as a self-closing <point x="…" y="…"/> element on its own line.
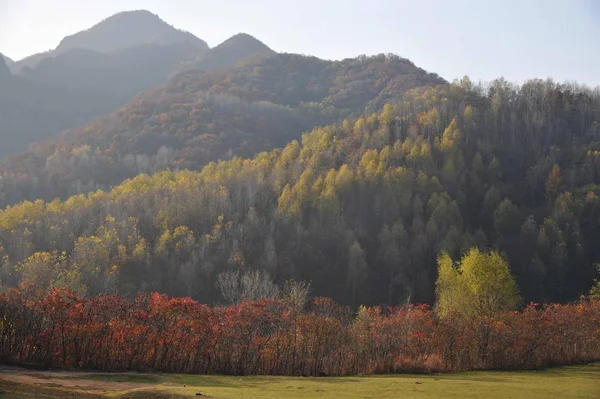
<point x="155" y="332"/>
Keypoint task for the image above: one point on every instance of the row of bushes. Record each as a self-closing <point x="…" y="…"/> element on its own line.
<point x="158" y="333"/>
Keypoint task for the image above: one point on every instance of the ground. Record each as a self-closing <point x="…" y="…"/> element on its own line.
<point x="564" y="382"/>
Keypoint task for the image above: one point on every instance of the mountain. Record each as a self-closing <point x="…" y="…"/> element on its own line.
<point x="121" y="74"/>
<point x="30" y="112"/>
<point x="128" y="29"/>
<point x="229" y="53"/>
<point x="9" y="63"/>
<point x="118" y="32"/>
<point x="4" y="68"/>
<point x="199" y="117"/>
<point x="361" y="208"/>
<point x="91" y="74"/>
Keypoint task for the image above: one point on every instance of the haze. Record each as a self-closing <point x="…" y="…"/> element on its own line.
<point x="515" y="39"/>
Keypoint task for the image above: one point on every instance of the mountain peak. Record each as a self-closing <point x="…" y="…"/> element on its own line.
<point x="128" y="29"/>
<point x="245" y="41"/>
<point x="233" y="50"/>
<point x="134" y="14"/>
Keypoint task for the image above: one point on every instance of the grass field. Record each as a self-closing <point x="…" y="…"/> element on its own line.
<point x="565" y="382"/>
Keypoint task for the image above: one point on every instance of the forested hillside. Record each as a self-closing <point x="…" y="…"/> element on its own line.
<point x="215" y="111"/>
<point x="360" y="208"/>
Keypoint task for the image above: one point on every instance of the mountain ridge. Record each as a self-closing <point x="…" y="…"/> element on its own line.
<point x="230" y="52"/>
<point x="198" y="117"/>
<point x="119" y="31"/>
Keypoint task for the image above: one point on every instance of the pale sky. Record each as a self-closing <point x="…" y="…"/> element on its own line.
<point x="484" y="39"/>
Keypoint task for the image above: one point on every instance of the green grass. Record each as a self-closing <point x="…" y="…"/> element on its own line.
<point x="564" y="382"/>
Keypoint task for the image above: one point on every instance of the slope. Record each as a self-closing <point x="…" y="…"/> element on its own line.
<point x="229" y="53"/>
<point x="29" y="111"/>
<point x="120" y="31"/>
<point x="90" y="74"/>
<point x="73" y="88"/>
<point x="121" y="73"/>
<point x="361" y="208"/>
<point x="198" y="117"/>
<point x="9" y="63"/>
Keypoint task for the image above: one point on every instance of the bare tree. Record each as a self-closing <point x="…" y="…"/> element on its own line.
<point x="297" y="292"/>
<point x="229" y="284"/>
<point x="253" y="285"/>
<point x="258" y="285"/>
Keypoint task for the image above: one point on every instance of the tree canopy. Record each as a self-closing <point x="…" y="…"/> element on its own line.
<point x="480" y="285"/>
<point x="359" y="208"/>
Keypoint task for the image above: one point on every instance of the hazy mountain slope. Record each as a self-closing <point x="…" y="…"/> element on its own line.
<point x="121" y="74"/>
<point x="90" y="74"/>
<point x="85" y="84"/>
<point x="120" y="31"/>
<point x="4" y="68"/>
<point x="9" y="63"/>
<point x="30" y="112"/>
<point x="200" y="117"/>
<point x="231" y="52"/>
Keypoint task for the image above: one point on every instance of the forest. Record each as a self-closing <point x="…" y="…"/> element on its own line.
<point x="207" y="113"/>
<point x="359" y="209"/>
<point x="166" y="206"/>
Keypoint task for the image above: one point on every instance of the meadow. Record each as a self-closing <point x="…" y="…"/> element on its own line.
<point x="563" y="382"/>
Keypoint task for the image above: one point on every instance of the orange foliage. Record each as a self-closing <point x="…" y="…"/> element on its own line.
<point x="158" y="333"/>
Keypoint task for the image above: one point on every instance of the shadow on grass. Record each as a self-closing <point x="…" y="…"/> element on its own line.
<point x="125" y="377"/>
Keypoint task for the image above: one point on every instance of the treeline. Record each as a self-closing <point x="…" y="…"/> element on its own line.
<point x="361" y="209"/>
<point x="275" y="337"/>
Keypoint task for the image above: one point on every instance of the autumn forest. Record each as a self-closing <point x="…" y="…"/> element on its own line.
<point x="264" y="213"/>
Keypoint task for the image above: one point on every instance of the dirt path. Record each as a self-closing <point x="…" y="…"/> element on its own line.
<point x="80" y="381"/>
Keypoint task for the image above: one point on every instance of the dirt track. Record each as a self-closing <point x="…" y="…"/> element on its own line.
<point x="80" y="381"/>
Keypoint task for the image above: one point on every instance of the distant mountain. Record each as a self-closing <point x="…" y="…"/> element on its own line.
<point x="229" y="53"/>
<point x="4" y="67"/>
<point x="9" y="63"/>
<point x="120" y="31"/>
<point x="90" y="74"/>
<point x="199" y="117"/>
<point x="121" y="73"/>
<point x="30" y="111"/>
<point x="125" y="73"/>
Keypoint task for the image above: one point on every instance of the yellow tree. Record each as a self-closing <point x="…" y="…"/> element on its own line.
<point x="481" y="285"/>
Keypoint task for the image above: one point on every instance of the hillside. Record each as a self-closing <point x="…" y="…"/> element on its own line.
<point x="229" y="53"/>
<point x="90" y="74"/>
<point x="122" y="74"/>
<point x="360" y="208"/>
<point x="29" y="111"/>
<point x="198" y="117"/>
<point x="5" y="73"/>
<point x="118" y="32"/>
<point x="75" y="87"/>
<point x="9" y="63"/>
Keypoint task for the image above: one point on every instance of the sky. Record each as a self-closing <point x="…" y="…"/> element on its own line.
<point x="514" y="39"/>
